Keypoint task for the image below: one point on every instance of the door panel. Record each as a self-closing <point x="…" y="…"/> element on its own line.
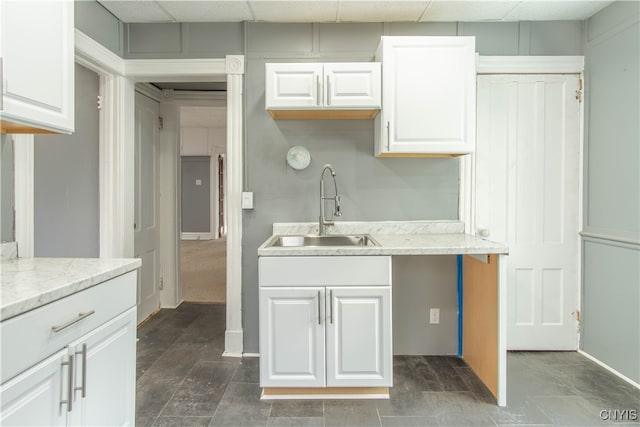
<point x="358" y="353"/>
<point x="146" y="230"/>
<point x="527" y="195"/>
<point x="33" y="397"/>
<point x="292" y="337"/>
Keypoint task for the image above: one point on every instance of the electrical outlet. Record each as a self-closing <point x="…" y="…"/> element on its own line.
<point x="434" y="316"/>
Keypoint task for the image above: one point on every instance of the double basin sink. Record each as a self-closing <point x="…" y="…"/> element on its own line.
<point x="322" y="241"/>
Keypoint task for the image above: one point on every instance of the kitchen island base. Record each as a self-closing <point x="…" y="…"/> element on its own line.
<point x="308" y="393"/>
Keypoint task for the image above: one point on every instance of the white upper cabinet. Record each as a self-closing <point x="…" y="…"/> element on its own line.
<point x="429" y="86"/>
<point x="322" y="90"/>
<point x="37" y="51"/>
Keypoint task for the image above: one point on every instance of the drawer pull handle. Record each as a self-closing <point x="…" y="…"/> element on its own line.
<point x="69" y="400"/>
<point x="71" y="322"/>
<point x="319" y="318"/>
<point x="331" y="303"/>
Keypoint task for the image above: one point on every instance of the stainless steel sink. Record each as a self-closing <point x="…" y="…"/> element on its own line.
<point x="326" y="240"/>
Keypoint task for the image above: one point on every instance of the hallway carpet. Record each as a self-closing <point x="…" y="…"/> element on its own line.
<point x="183" y="380"/>
<point x="203" y="270"/>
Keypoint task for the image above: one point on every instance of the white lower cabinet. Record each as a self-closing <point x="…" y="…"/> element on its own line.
<point x="34" y="397"/>
<point x="89" y="380"/>
<point x="327" y="332"/>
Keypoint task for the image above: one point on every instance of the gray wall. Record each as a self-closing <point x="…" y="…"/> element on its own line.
<point x="66" y="192"/>
<point x="196" y="199"/>
<point x="99" y="24"/>
<point x="7" y="182"/>
<point x="611" y="270"/>
<point x="371" y="188"/>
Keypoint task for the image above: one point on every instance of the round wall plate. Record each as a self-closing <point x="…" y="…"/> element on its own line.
<point x="298" y="157"/>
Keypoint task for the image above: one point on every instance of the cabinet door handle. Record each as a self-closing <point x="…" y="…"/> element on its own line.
<point x="328" y="90"/>
<point x="318" y="92"/>
<point x="69" y="400"/>
<point x="388" y="134"/>
<point x="331" y="305"/>
<point x="319" y="310"/>
<point x="83" y="386"/>
<point x="71" y="322"/>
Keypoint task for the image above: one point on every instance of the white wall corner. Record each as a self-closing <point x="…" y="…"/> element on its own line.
<point x="234" y="64"/>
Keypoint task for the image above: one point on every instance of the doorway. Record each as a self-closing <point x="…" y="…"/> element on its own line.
<point x="202" y="204"/>
<point x="527" y="164"/>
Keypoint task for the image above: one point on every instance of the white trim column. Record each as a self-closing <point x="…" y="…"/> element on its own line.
<point x="234" y="342"/>
<point x="23" y="152"/>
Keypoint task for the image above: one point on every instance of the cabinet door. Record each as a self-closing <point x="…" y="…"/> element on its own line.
<point x="352" y="85"/>
<point x="34" y="397"/>
<point x="292" y="337"/>
<point x="359" y="346"/>
<point x="105" y="374"/>
<point x="293" y="85"/>
<point x="38" y="64"/>
<point x="428" y="96"/>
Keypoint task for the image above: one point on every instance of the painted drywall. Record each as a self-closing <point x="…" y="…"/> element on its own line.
<point x="196" y="194"/>
<point x="99" y="24"/>
<point x="7" y="183"/>
<point x="371" y="188"/>
<point x="611" y="270"/>
<point x="66" y="187"/>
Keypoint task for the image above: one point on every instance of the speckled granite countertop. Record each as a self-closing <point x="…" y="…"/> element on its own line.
<point x="395" y="238"/>
<point x="28" y="283"/>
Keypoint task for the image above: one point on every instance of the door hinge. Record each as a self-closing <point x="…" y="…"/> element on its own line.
<point x="579" y="91"/>
<point x="161" y="285"/>
<point x="577" y="315"/>
<point x="99" y="102"/>
<point x="160" y="123"/>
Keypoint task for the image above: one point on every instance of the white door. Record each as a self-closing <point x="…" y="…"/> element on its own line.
<point x="292" y="337"/>
<point x="527" y="195"/>
<point x="359" y="348"/>
<point x="293" y="85"/>
<point x="352" y="84"/>
<point x="34" y="397"/>
<point x="105" y="374"/>
<point x="146" y="230"/>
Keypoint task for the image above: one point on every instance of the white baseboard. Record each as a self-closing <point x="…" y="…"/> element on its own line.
<point x="251" y="355"/>
<point x="233" y="343"/>
<point x="197" y="236"/>
<point x="610" y="369"/>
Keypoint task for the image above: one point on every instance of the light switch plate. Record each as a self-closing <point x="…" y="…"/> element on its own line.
<point x="434" y="316"/>
<point x="247" y="200"/>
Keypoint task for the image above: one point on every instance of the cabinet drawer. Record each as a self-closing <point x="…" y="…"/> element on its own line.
<point x="325" y="271"/>
<point x="29" y="338"/>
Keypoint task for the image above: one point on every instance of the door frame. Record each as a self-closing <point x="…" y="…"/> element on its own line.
<point x="524" y="65"/>
<point x="117" y="86"/>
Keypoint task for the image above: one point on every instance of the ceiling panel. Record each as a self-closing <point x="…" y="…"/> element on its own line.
<point x="351" y="10"/>
<point x="466" y="11"/>
<point x="555" y="10"/>
<point x="380" y="11"/>
<point x="137" y="11"/>
<point x="208" y="11"/>
<point x="294" y="11"/>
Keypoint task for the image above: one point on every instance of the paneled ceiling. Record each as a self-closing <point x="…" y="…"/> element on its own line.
<point x="148" y="11"/>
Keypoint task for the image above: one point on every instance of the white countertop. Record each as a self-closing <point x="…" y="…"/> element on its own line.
<point x="395" y="238"/>
<point x="28" y="283"/>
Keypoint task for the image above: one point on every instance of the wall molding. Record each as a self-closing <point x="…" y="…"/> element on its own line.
<point x="530" y="64"/>
<point x="609" y="368"/>
<point x="611" y="240"/>
<point x="167" y="70"/>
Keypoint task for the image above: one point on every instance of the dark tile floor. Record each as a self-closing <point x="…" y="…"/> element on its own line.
<point x="184" y="381"/>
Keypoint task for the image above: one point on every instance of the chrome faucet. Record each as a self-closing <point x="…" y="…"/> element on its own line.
<point x="322" y="222"/>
